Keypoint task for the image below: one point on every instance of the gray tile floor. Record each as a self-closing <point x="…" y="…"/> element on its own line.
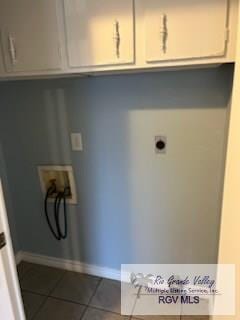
<point x="50" y="293"/>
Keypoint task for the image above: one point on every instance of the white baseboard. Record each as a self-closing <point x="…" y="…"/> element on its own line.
<point x="18" y="257"/>
<point x="69" y="265"/>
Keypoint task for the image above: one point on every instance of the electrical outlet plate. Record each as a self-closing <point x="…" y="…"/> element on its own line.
<point x="64" y="178"/>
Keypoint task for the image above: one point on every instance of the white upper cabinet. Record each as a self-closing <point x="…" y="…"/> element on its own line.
<point x="61" y="37"/>
<point x="186" y="29"/>
<point x="99" y="32"/>
<point x="30" y="35"/>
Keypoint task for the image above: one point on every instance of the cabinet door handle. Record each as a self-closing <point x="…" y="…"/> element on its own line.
<point x="164" y="32"/>
<point x="12" y="49"/>
<point x="117" y="38"/>
<point x="2" y="240"/>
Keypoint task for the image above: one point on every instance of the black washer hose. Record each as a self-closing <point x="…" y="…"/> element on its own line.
<point x="58" y="234"/>
<point x="55" y="234"/>
<point x="61" y="196"/>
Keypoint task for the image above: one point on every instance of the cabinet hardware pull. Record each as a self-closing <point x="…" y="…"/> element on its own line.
<point x="2" y="240"/>
<point x="117" y="38"/>
<point x="12" y="49"/>
<point x="164" y="33"/>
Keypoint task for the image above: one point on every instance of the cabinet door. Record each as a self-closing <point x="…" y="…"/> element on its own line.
<point x="30" y="37"/>
<point x="185" y="29"/>
<point x="99" y="32"/>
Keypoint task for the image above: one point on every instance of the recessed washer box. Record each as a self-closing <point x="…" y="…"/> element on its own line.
<point x="63" y="178"/>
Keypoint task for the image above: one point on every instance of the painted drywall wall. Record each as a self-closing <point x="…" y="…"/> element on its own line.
<point x="8" y="202"/>
<point x="134" y="206"/>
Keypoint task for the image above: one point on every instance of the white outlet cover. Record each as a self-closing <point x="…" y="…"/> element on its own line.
<point x="76" y="140"/>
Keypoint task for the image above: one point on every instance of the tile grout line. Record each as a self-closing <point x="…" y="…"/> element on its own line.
<point x="90" y="300"/>
<point x="59" y="298"/>
<point x="47" y="297"/>
<point x="67" y="300"/>
<point x="95" y="291"/>
<point x="34" y="293"/>
<point x="57" y="283"/>
<point x="70" y="301"/>
<point x="84" y="312"/>
<point x="22" y="290"/>
<point x="39" y="308"/>
<point x="77" y="303"/>
<point x="105" y="310"/>
<point x="25" y="273"/>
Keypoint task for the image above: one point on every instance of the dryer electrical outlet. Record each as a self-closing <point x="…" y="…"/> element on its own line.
<point x="63" y="178"/>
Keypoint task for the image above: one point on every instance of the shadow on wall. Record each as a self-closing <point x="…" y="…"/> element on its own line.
<point x="134" y="206"/>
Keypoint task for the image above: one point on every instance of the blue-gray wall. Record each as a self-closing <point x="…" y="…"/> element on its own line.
<point x="133" y="206"/>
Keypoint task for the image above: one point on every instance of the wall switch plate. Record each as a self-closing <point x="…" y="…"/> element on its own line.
<point x="76" y="140"/>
